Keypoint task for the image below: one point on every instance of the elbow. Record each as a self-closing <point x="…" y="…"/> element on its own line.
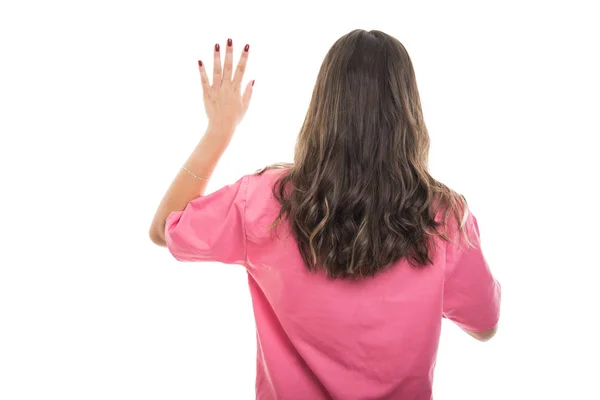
<point x="486" y="335"/>
<point x="157" y="237"/>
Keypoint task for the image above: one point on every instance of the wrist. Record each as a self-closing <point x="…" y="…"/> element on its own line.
<point x="225" y="130"/>
<point x="217" y="138"/>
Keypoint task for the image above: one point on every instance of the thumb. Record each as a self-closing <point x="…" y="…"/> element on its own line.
<point x="247" y="94"/>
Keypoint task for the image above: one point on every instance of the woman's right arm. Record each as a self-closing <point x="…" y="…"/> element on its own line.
<point x="471" y="293"/>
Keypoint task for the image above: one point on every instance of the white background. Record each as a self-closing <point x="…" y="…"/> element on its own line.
<point x="100" y="103"/>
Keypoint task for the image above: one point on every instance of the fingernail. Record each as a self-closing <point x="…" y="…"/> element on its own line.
<point x="199" y="63"/>
<point x="246" y="48"/>
<point x="252" y="82"/>
<point x="217" y="47"/>
<point x="229" y="42"/>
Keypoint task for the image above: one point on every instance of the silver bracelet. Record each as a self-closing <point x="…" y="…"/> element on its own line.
<point x="192" y="174"/>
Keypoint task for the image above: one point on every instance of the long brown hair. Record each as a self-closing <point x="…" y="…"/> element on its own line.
<point x="361" y="196"/>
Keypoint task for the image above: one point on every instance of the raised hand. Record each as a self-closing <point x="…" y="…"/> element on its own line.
<point x="224" y="103"/>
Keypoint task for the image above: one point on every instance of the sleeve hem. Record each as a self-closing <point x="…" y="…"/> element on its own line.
<point x="479" y="330"/>
<point x="495" y="320"/>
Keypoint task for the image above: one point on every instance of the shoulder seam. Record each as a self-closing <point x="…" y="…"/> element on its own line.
<point x="455" y="265"/>
<point x="247" y="179"/>
<point x="467" y="247"/>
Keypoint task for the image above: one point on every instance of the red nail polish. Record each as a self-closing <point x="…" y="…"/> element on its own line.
<point x="252" y="82"/>
<point x="246" y="48"/>
<point x="199" y="63"/>
<point x="217" y="47"/>
<point x="229" y="41"/>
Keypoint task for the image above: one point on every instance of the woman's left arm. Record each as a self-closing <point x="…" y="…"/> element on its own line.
<point x="225" y="107"/>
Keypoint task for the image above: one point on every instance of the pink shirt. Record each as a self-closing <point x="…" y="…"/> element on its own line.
<point x="323" y="339"/>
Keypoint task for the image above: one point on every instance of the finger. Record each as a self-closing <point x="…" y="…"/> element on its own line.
<point x="247" y="94"/>
<point x="228" y="65"/>
<point x="241" y="68"/>
<point x="203" y="78"/>
<point x="217" y="73"/>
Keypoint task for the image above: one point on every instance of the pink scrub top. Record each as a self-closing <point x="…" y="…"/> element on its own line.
<point x="318" y="338"/>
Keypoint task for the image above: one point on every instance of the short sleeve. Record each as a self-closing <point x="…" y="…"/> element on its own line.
<point x="211" y="227"/>
<point x="471" y="293"/>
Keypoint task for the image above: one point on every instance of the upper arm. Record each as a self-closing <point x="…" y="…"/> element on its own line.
<point x="212" y="227"/>
<point x="471" y="294"/>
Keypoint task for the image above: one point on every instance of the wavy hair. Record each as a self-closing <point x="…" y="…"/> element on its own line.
<point x="361" y="196"/>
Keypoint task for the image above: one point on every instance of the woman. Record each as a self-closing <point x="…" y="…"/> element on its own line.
<point x="354" y="252"/>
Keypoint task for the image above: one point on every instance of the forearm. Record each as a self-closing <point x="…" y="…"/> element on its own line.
<point x="185" y="187"/>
